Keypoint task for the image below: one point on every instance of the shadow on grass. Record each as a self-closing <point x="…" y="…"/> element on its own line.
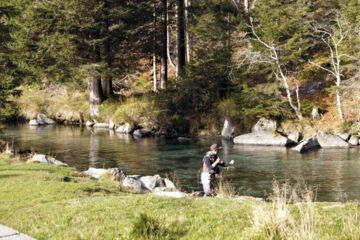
<point x="10" y="175"/>
<point x="29" y="169"/>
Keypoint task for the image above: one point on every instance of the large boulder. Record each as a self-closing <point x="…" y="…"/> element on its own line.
<point x="354" y="140"/>
<point x="34" y="122"/>
<point x="132" y="182"/>
<point x="141" y="133"/>
<point x="228" y="130"/>
<point x="125" y="128"/>
<point x="331" y="141"/>
<point x="264" y="124"/>
<point x="295" y="136"/>
<point x="344" y="136"/>
<point x="307" y="145"/>
<point x="42" y="158"/>
<point x="42" y="119"/>
<point x="168" y="183"/>
<point x="151" y="182"/>
<point x="265" y="138"/>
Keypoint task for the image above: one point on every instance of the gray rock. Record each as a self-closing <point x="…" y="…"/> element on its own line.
<point x="101" y="125"/>
<point x="344" y="136"/>
<point x="295" y="136"/>
<point x="151" y="182"/>
<point x="184" y="139"/>
<point x="228" y="130"/>
<point x="354" y="140"/>
<point x="42" y="119"/>
<point x="168" y="183"/>
<point x="7" y="233"/>
<point x="265" y="138"/>
<point x="89" y="123"/>
<point x="331" y="141"/>
<point x="307" y="145"/>
<point x="132" y="183"/>
<point x="264" y="125"/>
<point x="125" y="128"/>
<point x="41" y="158"/>
<point x="34" y="122"/>
<point x="95" y="173"/>
<point x="141" y="133"/>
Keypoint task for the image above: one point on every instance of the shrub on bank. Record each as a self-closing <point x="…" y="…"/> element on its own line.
<point x="55" y="101"/>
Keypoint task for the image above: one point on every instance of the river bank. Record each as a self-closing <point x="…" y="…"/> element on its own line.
<point x="48" y="202"/>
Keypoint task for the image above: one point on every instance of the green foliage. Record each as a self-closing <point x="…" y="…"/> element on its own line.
<point x="248" y="105"/>
<point x="137" y="111"/>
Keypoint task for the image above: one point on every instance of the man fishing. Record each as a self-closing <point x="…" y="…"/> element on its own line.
<point x="210" y="167"/>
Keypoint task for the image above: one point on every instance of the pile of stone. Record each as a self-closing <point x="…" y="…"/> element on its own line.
<point x="154" y="184"/>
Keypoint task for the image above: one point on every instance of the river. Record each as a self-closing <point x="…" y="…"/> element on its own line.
<point x="334" y="173"/>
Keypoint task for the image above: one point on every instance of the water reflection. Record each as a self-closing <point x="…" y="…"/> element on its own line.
<point x="334" y="171"/>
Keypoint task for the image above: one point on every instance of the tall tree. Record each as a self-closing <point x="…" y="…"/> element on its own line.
<point x="163" y="54"/>
<point x="180" y="36"/>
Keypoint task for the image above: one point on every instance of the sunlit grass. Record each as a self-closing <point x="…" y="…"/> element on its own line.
<point x="40" y="201"/>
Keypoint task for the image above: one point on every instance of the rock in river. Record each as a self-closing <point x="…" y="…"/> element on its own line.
<point x="265" y="138"/>
<point x="331" y="141"/>
<point x="141" y="133"/>
<point x="307" y="145"/>
<point x="41" y="158"/>
<point x="42" y="119"/>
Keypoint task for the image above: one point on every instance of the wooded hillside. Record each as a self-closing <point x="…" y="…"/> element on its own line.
<point x="182" y="65"/>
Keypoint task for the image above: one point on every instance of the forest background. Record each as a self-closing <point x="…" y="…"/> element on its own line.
<point x="184" y="65"/>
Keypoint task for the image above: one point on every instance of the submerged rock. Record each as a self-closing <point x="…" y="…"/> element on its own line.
<point x="141" y="133"/>
<point x="307" y="145"/>
<point x="264" y="138"/>
<point x="331" y="141"/>
<point x="183" y="139"/>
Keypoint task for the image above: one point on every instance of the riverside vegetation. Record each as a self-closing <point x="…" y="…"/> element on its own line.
<point x="49" y="202"/>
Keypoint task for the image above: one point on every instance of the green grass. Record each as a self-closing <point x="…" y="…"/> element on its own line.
<point x="36" y="200"/>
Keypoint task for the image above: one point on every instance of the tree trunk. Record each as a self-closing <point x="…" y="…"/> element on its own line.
<point x="95" y="96"/>
<point x="246" y="6"/>
<point x="163" y="55"/>
<point x="338" y="97"/>
<point x="154" y="56"/>
<point x="187" y="34"/>
<point x="180" y="37"/>
<point x="106" y="81"/>
<point x="168" y="42"/>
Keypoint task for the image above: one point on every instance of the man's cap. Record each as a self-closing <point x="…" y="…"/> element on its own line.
<point x="215" y="147"/>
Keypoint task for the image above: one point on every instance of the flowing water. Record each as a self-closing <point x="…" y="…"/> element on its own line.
<point x="334" y="172"/>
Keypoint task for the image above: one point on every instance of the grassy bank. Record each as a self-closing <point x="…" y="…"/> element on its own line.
<point x="49" y="202"/>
